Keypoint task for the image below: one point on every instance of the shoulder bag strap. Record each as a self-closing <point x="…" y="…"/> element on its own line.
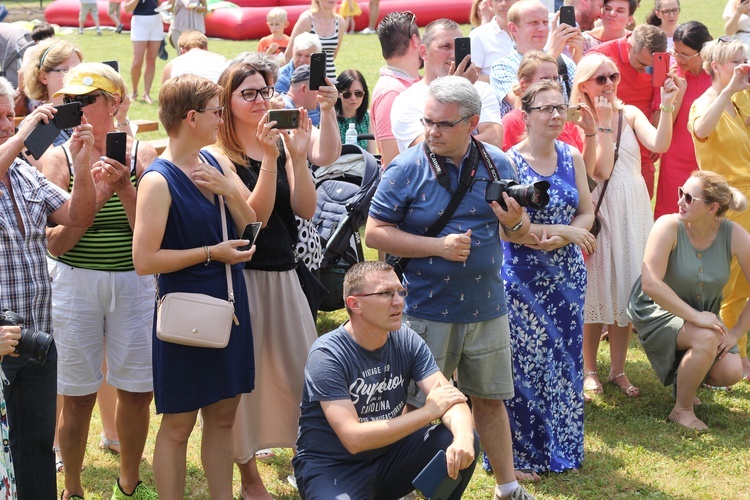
<point x="617" y="155"/>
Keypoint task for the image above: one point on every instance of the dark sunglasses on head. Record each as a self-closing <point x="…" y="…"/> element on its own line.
<point x="85" y="99"/>
<point x="602" y="79"/>
<point x="689" y="198"/>
<point x="359" y="94"/>
<point x="726" y="39"/>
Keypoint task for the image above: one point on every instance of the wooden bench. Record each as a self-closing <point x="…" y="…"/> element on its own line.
<point x="146" y="125"/>
<point x="159" y="144"/>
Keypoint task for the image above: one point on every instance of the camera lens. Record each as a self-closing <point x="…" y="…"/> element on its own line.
<point x="35" y="345"/>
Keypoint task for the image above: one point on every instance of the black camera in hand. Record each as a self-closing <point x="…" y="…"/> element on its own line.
<point x="33" y="343"/>
<point x="527" y="195"/>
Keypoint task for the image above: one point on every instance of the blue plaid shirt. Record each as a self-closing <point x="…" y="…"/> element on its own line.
<point x="24" y="279"/>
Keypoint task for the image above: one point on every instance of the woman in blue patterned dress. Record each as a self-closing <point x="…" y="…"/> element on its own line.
<point x="9" y="338"/>
<point x="545" y="283"/>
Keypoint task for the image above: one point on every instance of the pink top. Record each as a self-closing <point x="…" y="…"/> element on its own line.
<point x="679" y="161"/>
<point x="514" y="129"/>
<point x="390" y="84"/>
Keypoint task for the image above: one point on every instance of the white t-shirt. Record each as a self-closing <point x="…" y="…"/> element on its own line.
<point x="408" y="108"/>
<point x="199" y="62"/>
<point x="488" y="44"/>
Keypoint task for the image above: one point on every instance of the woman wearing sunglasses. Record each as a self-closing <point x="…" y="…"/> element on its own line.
<point x="351" y="106"/>
<point x="272" y="163"/>
<point x="679" y="161"/>
<point x="675" y="303"/>
<point x="625" y="211"/>
<point x="719" y="124"/>
<point x="96" y="293"/>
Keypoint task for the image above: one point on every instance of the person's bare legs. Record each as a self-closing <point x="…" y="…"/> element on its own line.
<point x="170" y="454"/>
<point x="139" y="52"/>
<point x="700" y="345"/>
<point x="374" y="13"/>
<point x="56" y="443"/>
<point x="491" y="420"/>
<point x="252" y="484"/>
<point x="152" y="51"/>
<point x="74" y="432"/>
<point x="217" y="450"/>
<point x="106" y="398"/>
<point x="591" y="338"/>
<point x="133" y="413"/>
<point x="619" y="338"/>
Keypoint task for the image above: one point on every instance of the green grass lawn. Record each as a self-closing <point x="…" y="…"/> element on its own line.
<point x="631" y="451"/>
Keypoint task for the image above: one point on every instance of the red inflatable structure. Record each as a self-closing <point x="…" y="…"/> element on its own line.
<point x="248" y="22"/>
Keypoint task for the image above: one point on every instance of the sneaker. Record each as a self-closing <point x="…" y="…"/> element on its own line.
<point x="519" y="493"/>
<point x="80" y="31"/>
<point x="141" y="492"/>
<point x="367" y="31"/>
<point x="292" y="480"/>
<point x="119" y="28"/>
<point x="99" y="32"/>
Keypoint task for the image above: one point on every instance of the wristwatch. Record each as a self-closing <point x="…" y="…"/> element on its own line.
<point x="516" y="227"/>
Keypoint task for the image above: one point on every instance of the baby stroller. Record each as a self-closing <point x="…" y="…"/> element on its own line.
<point x="344" y="191"/>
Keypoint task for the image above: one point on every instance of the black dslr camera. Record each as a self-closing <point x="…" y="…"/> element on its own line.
<point x="527" y="195"/>
<point x="34" y="344"/>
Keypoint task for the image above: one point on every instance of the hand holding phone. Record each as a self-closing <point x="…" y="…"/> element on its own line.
<point x="660" y="68"/>
<point x="250" y="233"/>
<point x="574" y="113"/>
<point x="284" y="118"/>
<point x="461" y="48"/>
<point x="317" y="70"/>
<point x="568" y="15"/>
<point x="116" y="146"/>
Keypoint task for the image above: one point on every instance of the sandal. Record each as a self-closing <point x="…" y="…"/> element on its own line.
<point x="147" y="99"/>
<point x="58" y="459"/>
<point x="694" y="425"/>
<point x="630" y="391"/>
<point x="264" y="454"/>
<point x="110" y="445"/>
<point x="593" y="389"/>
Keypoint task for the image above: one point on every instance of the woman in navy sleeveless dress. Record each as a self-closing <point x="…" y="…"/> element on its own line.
<point x="178" y="234"/>
<point x="545" y="284"/>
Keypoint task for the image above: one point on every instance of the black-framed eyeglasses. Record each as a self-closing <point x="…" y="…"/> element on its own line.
<point x="726" y="39"/>
<point x="689" y="198"/>
<point x="389" y="294"/>
<point x="62" y="69"/>
<point x="251" y="95"/>
<point x="217" y="111"/>
<point x="602" y="79"/>
<point x="682" y="57"/>
<point x="549" y="108"/>
<point x="359" y="94"/>
<point x="85" y="99"/>
<point x="441" y="125"/>
<point x="670" y="12"/>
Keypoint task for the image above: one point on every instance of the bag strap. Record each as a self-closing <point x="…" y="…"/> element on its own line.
<point x="458" y="195"/>
<point x="617" y="155"/>
<point x="562" y="70"/>
<point x="230" y="288"/>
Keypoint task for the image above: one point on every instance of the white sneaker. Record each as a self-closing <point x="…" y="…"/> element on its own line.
<point x="367" y="31"/>
<point x="518" y="494"/>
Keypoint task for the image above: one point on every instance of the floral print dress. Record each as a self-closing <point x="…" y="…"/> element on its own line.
<point x="545" y="293"/>
<point x="7" y="475"/>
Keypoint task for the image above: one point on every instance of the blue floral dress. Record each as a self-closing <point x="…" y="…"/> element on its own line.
<point x="545" y="293"/>
<point x="7" y="475"/>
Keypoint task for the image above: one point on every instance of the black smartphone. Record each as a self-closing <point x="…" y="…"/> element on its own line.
<point x="568" y="15"/>
<point x="317" y="70"/>
<point x="284" y="118"/>
<point x="250" y="233"/>
<point x="434" y="481"/>
<point x="461" y="49"/>
<point x="39" y="140"/>
<point x="113" y="64"/>
<point x="117" y="143"/>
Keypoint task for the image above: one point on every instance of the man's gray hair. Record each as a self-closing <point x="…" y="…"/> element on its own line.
<point x="305" y="40"/>
<point x="458" y="90"/>
<point x="7" y="89"/>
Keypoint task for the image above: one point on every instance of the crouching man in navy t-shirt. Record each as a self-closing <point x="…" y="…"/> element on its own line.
<point x="355" y="442"/>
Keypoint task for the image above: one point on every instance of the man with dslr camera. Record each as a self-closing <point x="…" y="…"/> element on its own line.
<point x="28" y="202"/>
<point x="456" y="301"/>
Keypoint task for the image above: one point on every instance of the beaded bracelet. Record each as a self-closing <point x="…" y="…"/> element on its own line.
<point x="605" y="130"/>
<point x="666" y="109"/>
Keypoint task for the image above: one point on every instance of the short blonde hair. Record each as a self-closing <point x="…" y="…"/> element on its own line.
<point x="529" y="64"/>
<point x="192" y="39"/>
<point x="48" y="55"/>
<point x="104" y="71"/>
<point x="721" y="50"/>
<point x="276" y="14"/>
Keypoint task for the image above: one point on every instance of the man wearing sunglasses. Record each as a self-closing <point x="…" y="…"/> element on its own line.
<point x="28" y="202"/>
<point x="354" y="439"/>
<point x="633" y="55"/>
<point x="456" y="301"/>
<point x="300" y="94"/>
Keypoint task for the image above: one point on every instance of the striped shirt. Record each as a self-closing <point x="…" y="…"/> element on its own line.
<point x="24" y="279"/>
<point x="329" y="47"/>
<point x="108" y="244"/>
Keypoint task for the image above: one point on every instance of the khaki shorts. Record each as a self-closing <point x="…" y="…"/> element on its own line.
<point x="480" y="352"/>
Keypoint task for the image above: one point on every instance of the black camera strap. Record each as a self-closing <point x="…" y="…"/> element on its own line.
<point x="468" y="172"/>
